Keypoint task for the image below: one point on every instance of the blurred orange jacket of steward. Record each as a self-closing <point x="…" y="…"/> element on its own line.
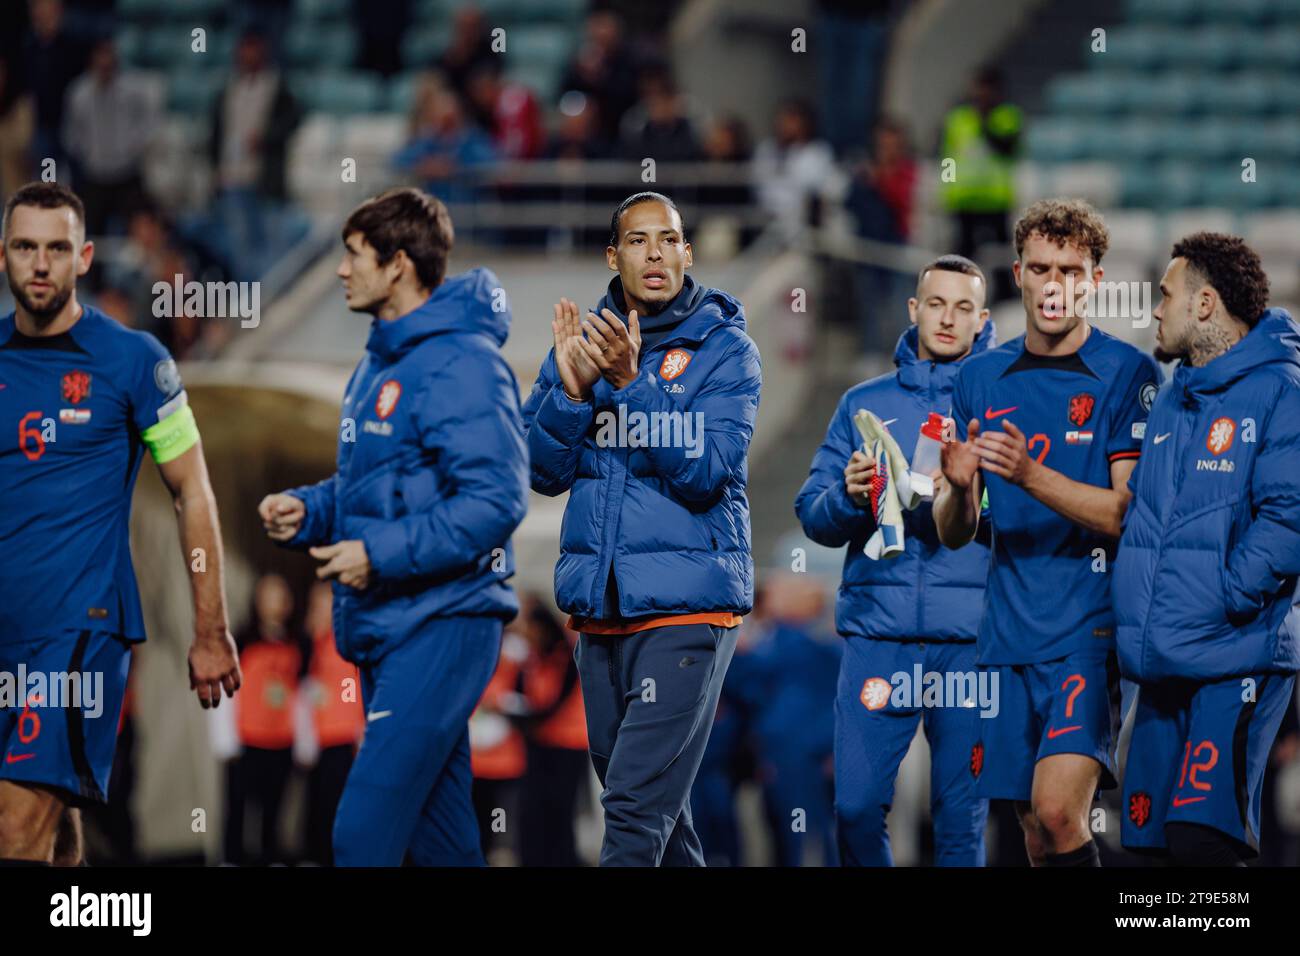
<point x="265" y="711"/>
<point x="496" y="745"/>
<point x="543" y="683"/>
<point x="338" y="712"/>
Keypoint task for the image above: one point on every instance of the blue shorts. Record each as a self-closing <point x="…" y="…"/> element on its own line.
<point x="60" y="728"/>
<point x="875" y="721"/>
<point x="1066" y="706"/>
<point x="1198" y="756"/>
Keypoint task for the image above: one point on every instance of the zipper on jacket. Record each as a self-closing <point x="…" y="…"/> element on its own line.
<point x="1160" y="550"/>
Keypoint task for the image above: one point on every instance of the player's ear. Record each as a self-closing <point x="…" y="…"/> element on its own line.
<point x="1206" y="301"/>
<point x="1097" y="273"/>
<point x="911" y="309"/>
<point x="1015" y="273"/>
<point x="611" y="257"/>
<point x="85" y="257"/>
<point x="984" y="317"/>
<point x="690" y="256"/>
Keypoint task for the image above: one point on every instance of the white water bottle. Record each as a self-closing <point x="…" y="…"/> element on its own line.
<point x="925" y="457"/>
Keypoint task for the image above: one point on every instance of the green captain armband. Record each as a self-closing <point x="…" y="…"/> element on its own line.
<point x="173" y="436"/>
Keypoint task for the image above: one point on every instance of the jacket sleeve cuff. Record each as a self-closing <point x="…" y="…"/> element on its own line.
<point x="844" y="510"/>
<point x="386" y="549"/>
<point x="635" y="391"/>
<point x="564" y="418"/>
<point x="311" y="531"/>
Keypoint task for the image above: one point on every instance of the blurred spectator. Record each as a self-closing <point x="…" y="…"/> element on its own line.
<point x="470" y="47"/>
<point x="658" y="126"/>
<point x="251" y="124"/>
<point x="605" y="69"/>
<point x="380" y="26"/>
<point x="578" y="134"/>
<point x="556" y="735"/>
<point x="271" y="662"/>
<point x="17" y="124"/>
<point x="852" y="37"/>
<point x="116" y="304"/>
<point x="149" y="255"/>
<point x="496" y="748"/>
<point x="108" y="121"/>
<point x="508" y="111"/>
<point x="787" y="681"/>
<point x="51" y="60"/>
<point x="727" y="757"/>
<point x="333" y="692"/>
<point x="727" y="143"/>
<point x="268" y="18"/>
<point x="880" y="201"/>
<point x="795" y="171"/>
<point x="983" y="138"/>
<point x="443" y="146"/>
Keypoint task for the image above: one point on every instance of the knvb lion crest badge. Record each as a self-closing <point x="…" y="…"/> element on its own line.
<point x="1081" y="406"/>
<point x="76" y="386"/>
<point x="388" y="396"/>
<point x="674" y="364"/>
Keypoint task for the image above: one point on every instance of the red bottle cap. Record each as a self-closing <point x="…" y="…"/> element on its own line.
<point x="933" y="427"/>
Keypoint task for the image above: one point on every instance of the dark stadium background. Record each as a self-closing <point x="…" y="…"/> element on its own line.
<point x="803" y="141"/>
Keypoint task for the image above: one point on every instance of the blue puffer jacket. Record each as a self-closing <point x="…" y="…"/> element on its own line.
<point x="674" y="524"/>
<point x="1205" y="579"/>
<point x="929" y="592"/>
<point x="432" y="470"/>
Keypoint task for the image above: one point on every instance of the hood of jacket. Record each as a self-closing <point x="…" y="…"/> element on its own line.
<point x="1274" y="339"/>
<point x="692" y="314"/>
<point x="463" y="303"/>
<point x="917" y="373"/>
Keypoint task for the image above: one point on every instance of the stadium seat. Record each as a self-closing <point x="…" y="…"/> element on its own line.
<point x="424" y="44"/>
<point x="1245" y="94"/>
<point x="1278" y="49"/>
<point x="340" y="93"/>
<point x="1134" y="234"/>
<point x="323" y="48"/>
<point x="542" y="45"/>
<point x="1137" y="46"/>
<point x="1184" y="222"/>
<point x="1054" y="140"/>
<point x="1207" y="49"/>
<point x="1097" y="182"/>
<point x="321" y="9"/>
<point x="1224" y="186"/>
<point x="1273" y="233"/>
<point x="1089" y="93"/>
<point x="1162" y="11"/>
<point x="1237" y="11"/>
<point x="1168" y="94"/>
<point x="194" y="92"/>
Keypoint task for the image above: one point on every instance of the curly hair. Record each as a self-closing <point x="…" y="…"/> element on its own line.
<point x="1230" y="267"/>
<point x="1065" y="220"/>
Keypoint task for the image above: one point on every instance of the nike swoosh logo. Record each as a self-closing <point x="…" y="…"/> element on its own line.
<point x="990" y="413"/>
<point x="1053" y="733"/>
<point x="379" y="715"/>
<point x="1159" y="438"/>
<point x="1184" y="801"/>
<point x="14" y="758"/>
